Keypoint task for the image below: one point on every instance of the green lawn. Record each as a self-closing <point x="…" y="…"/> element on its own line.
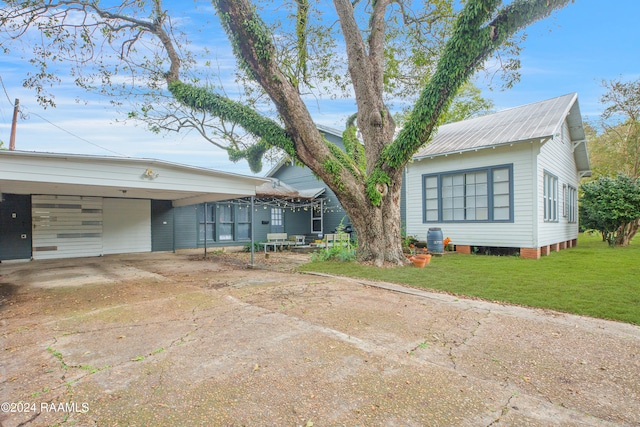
<point x="591" y="279"/>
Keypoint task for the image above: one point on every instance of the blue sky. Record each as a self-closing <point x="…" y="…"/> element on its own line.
<point x="573" y="51"/>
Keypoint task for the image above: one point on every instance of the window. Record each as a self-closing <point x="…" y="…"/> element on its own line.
<point x="474" y="195"/>
<point x="565" y="201"/>
<point x="226" y="223"/>
<point x="233" y="222"/>
<point x="316" y="218"/>
<point x="431" y="198"/>
<point x="550" y="196"/>
<point x="277" y="220"/>
<point x="244" y="222"/>
<point x="207" y="223"/>
<point x="572" y="204"/>
<point x="501" y="194"/>
<point x="464" y="197"/>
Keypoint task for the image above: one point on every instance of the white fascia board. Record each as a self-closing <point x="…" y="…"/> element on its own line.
<point x="541" y="140"/>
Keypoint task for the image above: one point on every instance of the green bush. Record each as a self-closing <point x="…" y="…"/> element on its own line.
<point x="611" y="206"/>
<point x="335" y="253"/>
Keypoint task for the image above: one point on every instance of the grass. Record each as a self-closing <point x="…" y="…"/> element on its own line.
<point x="591" y="279"/>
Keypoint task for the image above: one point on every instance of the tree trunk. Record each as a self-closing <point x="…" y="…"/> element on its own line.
<point x="626" y="232"/>
<point x="634" y="229"/>
<point x="377" y="227"/>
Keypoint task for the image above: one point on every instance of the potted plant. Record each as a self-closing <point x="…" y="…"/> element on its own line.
<point x="419" y="261"/>
<point x="425" y="257"/>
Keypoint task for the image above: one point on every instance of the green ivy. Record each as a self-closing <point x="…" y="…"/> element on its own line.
<point x="301" y="33"/>
<point x="473" y="40"/>
<point x="377" y="177"/>
<point x="334" y="168"/>
<point x="353" y="147"/>
<point x="271" y="134"/>
<point x="260" y="37"/>
<point x="481" y="27"/>
<point x="343" y="159"/>
<point x="257" y="32"/>
<point x="253" y="154"/>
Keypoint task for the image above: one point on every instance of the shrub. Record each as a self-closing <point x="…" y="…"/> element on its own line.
<point x="611" y="206"/>
<point x="335" y="253"/>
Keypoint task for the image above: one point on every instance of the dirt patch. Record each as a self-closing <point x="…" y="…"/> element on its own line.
<point x="175" y="339"/>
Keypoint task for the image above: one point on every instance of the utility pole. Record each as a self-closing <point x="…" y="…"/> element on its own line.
<point x="14" y="124"/>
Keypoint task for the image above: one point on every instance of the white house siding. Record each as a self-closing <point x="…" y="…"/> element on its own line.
<point x="66" y="226"/>
<point x="127" y="226"/>
<point x="556" y="157"/>
<point x="518" y="233"/>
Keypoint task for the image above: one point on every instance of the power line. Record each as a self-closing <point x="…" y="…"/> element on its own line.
<point x="59" y="127"/>
<point x="79" y="137"/>
<point x="5" y="90"/>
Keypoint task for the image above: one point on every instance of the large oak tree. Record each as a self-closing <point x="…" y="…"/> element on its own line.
<point x="389" y="48"/>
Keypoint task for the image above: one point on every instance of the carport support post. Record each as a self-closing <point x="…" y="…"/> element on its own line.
<point x="252" y="244"/>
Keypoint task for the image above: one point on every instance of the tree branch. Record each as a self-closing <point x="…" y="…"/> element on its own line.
<point x="377" y="28"/>
<point x="366" y="70"/>
<point x="474" y="39"/>
<point x="254" y="49"/>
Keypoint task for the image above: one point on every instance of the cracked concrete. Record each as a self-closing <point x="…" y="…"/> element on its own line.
<point x="173" y="340"/>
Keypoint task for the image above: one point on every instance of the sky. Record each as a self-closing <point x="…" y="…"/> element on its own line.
<point x="572" y="51"/>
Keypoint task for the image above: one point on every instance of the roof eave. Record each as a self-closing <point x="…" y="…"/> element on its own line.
<point x="541" y="140"/>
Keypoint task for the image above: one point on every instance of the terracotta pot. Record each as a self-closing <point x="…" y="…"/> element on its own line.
<point x="425" y="257"/>
<point x="418" y="262"/>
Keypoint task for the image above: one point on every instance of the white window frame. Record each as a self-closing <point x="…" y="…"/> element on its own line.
<point x="210" y="219"/>
<point x="243" y="208"/>
<point x="317" y="218"/>
<point x="550" y="197"/>
<point x="226" y="222"/>
<point x="277" y="217"/>
<point x="572" y="198"/>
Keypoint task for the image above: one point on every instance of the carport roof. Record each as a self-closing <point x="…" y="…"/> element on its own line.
<point x="23" y="172"/>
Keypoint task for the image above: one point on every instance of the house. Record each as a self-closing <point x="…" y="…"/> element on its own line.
<point x="505" y="180"/>
<point x="64" y="206"/>
<point x="291" y="200"/>
<point x="229" y="223"/>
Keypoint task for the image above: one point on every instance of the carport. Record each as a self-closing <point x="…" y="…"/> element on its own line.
<point x="68" y="205"/>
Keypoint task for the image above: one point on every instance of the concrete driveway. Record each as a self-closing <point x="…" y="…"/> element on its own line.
<point x="174" y="340"/>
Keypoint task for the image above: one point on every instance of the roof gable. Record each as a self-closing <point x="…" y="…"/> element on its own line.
<point x="540" y="120"/>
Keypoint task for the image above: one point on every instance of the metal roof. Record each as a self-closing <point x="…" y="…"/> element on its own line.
<point x="539" y="121"/>
<point x="329" y="130"/>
